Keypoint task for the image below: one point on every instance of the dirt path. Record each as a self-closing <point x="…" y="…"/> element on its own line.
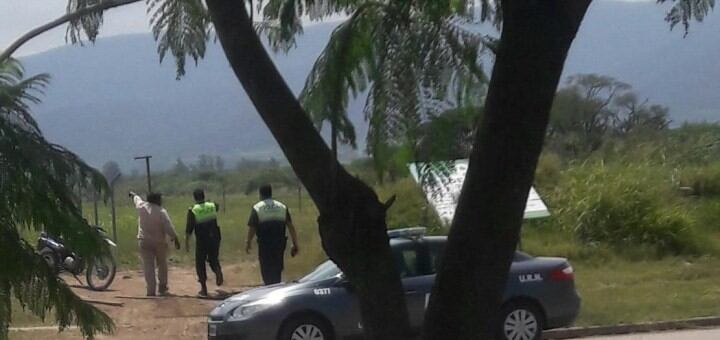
<point x="180" y="316"/>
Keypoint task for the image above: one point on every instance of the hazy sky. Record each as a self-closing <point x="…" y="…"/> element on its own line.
<point x="19" y="16"/>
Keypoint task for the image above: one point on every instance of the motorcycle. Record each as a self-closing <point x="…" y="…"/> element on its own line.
<point x="100" y="272"/>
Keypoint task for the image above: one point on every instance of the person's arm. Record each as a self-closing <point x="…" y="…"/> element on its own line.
<point x="250" y="237"/>
<point x="253" y="222"/>
<point x="137" y="200"/>
<point x="169" y="229"/>
<point x="189" y="228"/>
<point x="293" y="235"/>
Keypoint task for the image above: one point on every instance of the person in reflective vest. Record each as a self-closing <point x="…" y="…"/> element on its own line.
<point x="202" y="220"/>
<point x="269" y="220"/>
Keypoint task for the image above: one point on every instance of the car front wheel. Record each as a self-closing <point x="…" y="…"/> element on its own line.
<point x="521" y="322"/>
<point x="306" y="328"/>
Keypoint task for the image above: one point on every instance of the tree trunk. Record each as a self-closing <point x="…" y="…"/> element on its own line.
<point x="352" y="219"/>
<point x="466" y="299"/>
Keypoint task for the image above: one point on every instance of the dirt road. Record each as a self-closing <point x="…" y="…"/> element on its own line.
<point x="181" y="316"/>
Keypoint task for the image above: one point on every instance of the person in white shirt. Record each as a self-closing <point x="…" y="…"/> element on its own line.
<point x="154" y="229"/>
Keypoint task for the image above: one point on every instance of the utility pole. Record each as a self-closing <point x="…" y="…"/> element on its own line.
<point x="112" y="206"/>
<point x="147" y="170"/>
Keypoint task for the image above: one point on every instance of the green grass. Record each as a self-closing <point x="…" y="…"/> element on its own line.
<point x="627" y="292"/>
<point x="617" y="289"/>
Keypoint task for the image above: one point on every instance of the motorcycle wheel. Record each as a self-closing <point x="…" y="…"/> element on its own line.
<point x="101" y="272"/>
<point x="51" y="259"/>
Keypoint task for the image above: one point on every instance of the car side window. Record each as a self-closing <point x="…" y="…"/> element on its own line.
<point x="409" y="263"/>
<point x="436" y="251"/>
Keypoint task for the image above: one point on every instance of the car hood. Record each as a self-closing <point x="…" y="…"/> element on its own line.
<point x="277" y="291"/>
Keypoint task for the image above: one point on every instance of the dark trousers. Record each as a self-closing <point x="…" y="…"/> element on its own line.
<point x="271" y="262"/>
<point x="207" y="250"/>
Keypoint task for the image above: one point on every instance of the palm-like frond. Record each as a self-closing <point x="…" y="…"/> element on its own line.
<point x="341" y="69"/>
<point x="16" y="93"/>
<point x="432" y="66"/>
<point x="426" y="65"/>
<point x="283" y="18"/>
<point x="684" y="11"/>
<point x="88" y="24"/>
<point x="181" y="27"/>
<point x="27" y="278"/>
<point x="36" y="181"/>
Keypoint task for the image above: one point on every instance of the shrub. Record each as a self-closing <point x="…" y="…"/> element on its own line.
<point x="632" y="217"/>
<point x="547" y="173"/>
<point x="626" y="208"/>
<point x="704" y="181"/>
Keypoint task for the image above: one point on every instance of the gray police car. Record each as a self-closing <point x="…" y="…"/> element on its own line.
<point x="540" y="294"/>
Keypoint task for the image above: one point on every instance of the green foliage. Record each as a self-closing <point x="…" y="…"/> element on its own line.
<point x="414" y="60"/>
<point x="180" y="168"/>
<point x="702" y="180"/>
<point x="592" y="110"/>
<point x="548" y="170"/>
<point x="707" y="214"/>
<point x="693" y="144"/>
<point x="684" y="11"/>
<point x="36" y="191"/>
<point x="206" y="163"/>
<point x="325" y="95"/>
<point x="631" y="217"/>
<point x="88" y="24"/>
<point x="448" y="135"/>
<point x="434" y="67"/>
<point x="410" y="208"/>
<point x="627" y="208"/>
<point x="17" y="93"/>
<point x="111" y="170"/>
<point x="180" y="27"/>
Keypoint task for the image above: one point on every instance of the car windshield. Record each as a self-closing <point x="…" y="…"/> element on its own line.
<point x="326" y="270"/>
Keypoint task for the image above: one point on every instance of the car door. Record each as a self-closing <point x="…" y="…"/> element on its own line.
<point x="412" y="262"/>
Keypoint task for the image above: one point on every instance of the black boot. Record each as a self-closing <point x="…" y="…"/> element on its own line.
<point x="203" y="290"/>
<point x="219" y="278"/>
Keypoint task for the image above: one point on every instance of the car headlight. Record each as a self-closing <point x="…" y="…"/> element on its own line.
<point x="246" y="310"/>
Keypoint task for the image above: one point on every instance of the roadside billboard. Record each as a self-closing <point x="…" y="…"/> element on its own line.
<point x="442" y="182"/>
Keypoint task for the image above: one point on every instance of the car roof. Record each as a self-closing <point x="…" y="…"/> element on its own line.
<point x="435" y="240"/>
<point x="406" y="240"/>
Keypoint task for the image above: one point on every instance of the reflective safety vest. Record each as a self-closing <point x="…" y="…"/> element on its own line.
<point x="270" y="210"/>
<point x="204" y="212"/>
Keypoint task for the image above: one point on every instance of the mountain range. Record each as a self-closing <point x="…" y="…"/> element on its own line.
<point x="113" y="100"/>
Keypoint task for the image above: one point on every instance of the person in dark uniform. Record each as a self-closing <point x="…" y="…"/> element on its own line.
<point x="269" y="220"/>
<point x="202" y="219"/>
